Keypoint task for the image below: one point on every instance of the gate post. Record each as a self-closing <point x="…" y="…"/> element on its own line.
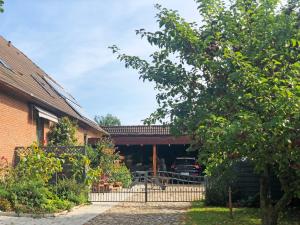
<point x="146" y="186"/>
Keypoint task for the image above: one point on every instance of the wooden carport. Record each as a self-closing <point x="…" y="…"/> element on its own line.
<point x="144" y="135"/>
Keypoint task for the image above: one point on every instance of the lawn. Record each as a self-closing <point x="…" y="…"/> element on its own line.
<point x="200" y="214"/>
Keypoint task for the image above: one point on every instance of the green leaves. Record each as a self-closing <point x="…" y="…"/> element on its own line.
<point x="294" y="43"/>
<point x="37" y="164"/>
<point x="1" y="5"/>
<point x="63" y="133"/>
<point x="232" y="82"/>
<point x="107" y="120"/>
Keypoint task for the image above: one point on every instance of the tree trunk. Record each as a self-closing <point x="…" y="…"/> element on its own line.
<point x="270" y="213"/>
<point x="265" y="203"/>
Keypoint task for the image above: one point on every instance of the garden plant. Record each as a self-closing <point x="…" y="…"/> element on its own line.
<point x="232" y="82"/>
<point x="52" y="181"/>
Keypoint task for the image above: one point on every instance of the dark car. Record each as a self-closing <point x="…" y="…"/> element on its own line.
<point x="187" y="166"/>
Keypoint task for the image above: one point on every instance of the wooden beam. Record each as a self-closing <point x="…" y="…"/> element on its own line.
<point x="154" y="161"/>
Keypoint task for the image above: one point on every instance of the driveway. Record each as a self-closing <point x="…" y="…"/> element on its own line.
<point x="151" y="213"/>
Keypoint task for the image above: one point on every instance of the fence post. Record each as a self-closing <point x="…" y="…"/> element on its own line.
<point x="146" y="186"/>
<point x="230" y="202"/>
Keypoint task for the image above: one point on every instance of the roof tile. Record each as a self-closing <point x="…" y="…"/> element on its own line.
<point x="26" y="76"/>
<point x="140" y="130"/>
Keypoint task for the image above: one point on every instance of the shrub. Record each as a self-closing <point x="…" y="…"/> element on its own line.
<point x="69" y="189"/>
<point x="103" y="155"/>
<point x="251" y="201"/>
<point x="34" y="197"/>
<point x="3" y="192"/>
<point x="218" y="182"/>
<point x="75" y="165"/>
<point x="244" y="184"/>
<point x="63" y="133"/>
<point x="93" y="175"/>
<point x="120" y="173"/>
<point x="36" y="164"/>
<point x="62" y="204"/>
<point x="28" y="188"/>
<point x="30" y="196"/>
<point x="57" y="204"/>
<point x="5" y="205"/>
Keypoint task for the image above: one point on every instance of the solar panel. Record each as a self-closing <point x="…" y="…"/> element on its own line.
<point x="78" y="109"/>
<point x="72" y="102"/>
<point x="61" y="91"/>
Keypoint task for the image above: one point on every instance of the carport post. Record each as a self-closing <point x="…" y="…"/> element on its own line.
<point x="154" y="164"/>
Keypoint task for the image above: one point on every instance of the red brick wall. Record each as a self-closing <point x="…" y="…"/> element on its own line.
<point x="17" y="128"/>
<point x="90" y="134"/>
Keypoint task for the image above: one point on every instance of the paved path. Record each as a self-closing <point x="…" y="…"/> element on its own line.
<point x="164" y="213"/>
<point x="112" y="213"/>
<point x="76" y="217"/>
<point x="151" y="213"/>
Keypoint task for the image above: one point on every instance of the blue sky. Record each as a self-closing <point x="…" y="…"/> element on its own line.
<point x="69" y="39"/>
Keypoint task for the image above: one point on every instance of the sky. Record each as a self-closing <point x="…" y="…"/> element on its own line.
<point x="69" y="40"/>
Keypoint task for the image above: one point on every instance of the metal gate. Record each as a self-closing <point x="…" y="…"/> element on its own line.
<point x="145" y="187"/>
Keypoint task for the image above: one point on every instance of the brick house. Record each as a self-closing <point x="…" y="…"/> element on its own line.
<point x="31" y="101"/>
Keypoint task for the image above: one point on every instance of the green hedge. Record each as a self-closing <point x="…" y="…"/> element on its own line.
<point x="244" y="183"/>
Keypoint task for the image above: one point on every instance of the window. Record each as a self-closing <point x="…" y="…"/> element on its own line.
<point x="85" y="138"/>
<point x="40" y="130"/>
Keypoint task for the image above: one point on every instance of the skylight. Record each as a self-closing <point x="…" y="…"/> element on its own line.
<point x="43" y="84"/>
<point x="3" y="63"/>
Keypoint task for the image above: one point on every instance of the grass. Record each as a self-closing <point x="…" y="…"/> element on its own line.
<point x="201" y="214"/>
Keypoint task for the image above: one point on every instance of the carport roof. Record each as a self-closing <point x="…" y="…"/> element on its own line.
<point x="138" y="130"/>
<point x="143" y="135"/>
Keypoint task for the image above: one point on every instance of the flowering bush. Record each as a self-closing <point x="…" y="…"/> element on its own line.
<point x="104" y="156"/>
<point x="29" y="187"/>
<point x="120" y="173"/>
<point x="37" y="164"/>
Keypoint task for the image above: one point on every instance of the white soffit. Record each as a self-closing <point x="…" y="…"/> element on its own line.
<point x="46" y="115"/>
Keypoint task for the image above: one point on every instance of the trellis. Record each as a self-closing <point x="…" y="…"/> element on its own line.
<point x="58" y="151"/>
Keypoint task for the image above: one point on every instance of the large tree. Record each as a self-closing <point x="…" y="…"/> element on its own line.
<point x="232" y="82"/>
<point x="107" y="120"/>
<point x="1" y="6"/>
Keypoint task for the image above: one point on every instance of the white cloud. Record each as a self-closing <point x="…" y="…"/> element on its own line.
<point x="69" y="40"/>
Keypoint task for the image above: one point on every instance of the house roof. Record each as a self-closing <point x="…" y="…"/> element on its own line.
<point x="140" y="130"/>
<point x="19" y="72"/>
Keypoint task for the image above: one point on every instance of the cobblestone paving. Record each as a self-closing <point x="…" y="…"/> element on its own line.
<point x="164" y="213"/>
